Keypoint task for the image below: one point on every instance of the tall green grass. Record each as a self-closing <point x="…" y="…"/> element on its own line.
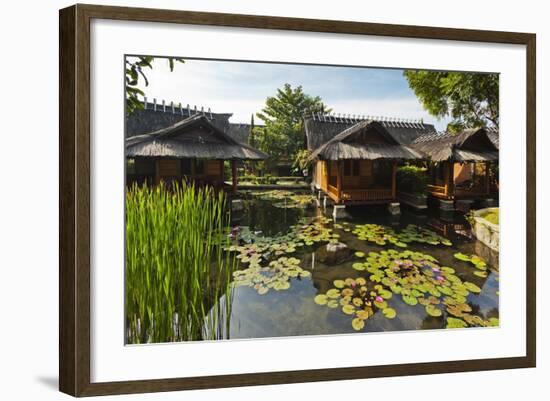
<point x="178" y="277"/>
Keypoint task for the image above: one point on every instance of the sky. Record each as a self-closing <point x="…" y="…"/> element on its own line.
<point x="241" y="88"/>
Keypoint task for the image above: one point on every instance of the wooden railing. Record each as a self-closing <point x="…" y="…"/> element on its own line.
<point x="333" y="192"/>
<point x="437" y="189"/>
<point x="367" y="194"/>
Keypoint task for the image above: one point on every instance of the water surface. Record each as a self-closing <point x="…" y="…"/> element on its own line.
<point x="293" y="312"/>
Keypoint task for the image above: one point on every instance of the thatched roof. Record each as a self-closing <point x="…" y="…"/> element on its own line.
<point x="156" y="116"/>
<point x="241" y="131"/>
<point x="367" y="139"/>
<point x="322" y="128"/>
<point x="194" y="137"/>
<point x="476" y="144"/>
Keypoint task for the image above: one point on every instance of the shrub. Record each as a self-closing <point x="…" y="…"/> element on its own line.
<point x="412" y="179"/>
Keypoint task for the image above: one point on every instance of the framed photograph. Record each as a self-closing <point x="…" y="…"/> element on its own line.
<point x="250" y="200"/>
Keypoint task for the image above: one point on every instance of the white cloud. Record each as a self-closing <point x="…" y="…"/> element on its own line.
<point x="241" y="89"/>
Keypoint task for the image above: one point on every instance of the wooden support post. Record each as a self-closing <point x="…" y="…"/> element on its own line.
<point x="222" y="173"/>
<point x="450" y="181"/>
<point x="339" y="180"/>
<point x="394" y="180"/>
<point x="234" y="175"/>
<point x="487" y="179"/>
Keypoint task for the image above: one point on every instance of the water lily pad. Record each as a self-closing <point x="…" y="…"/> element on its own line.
<point x="333" y="293"/>
<point x="360" y="254"/>
<point x="350" y="282"/>
<point x="461" y="256"/>
<point x="409" y="300"/>
<point x="482" y="274"/>
<point x="380" y="304"/>
<point x="389" y="313"/>
<point x="281" y="285"/>
<point x="347" y="292"/>
<point x="321" y="299"/>
<point x="474" y="320"/>
<point x="358" y="266"/>
<point x="424" y="301"/>
<point x="472" y="287"/>
<point x="375" y="278"/>
<point x="455" y="311"/>
<point x="358" y="324"/>
<point x="494" y="321"/>
<point x="348" y="309"/>
<point x="339" y="283"/>
<point x="333" y="303"/>
<point x="454" y="323"/>
<point x="433" y="311"/>
<point x="263" y="290"/>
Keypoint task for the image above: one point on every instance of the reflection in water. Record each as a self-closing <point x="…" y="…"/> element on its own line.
<point x="292" y="311"/>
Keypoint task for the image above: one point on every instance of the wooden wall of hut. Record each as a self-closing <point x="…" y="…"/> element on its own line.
<point x="152" y="171"/>
<point x="449" y="180"/>
<point x="356" y="180"/>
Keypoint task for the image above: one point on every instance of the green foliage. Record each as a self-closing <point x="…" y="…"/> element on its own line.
<point x="301" y="160"/>
<point x="412" y="179"/>
<point x="470" y="99"/>
<point x="283" y="135"/>
<point x="134" y="70"/>
<point x="177" y="272"/>
<point x="491" y="216"/>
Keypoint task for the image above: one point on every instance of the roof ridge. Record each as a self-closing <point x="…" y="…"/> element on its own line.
<point x="398" y="122"/>
<point x="178" y="108"/>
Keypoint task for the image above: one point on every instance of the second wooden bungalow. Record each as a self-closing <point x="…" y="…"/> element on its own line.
<point x="355" y="160"/>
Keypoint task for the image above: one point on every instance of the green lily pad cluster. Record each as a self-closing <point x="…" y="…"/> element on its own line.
<point x="471" y="320"/>
<point x="315" y="231"/>
<point x="478" y="262"/>
<point x="276" y="276"/>
<point x="382" y="235"/>
<point x="419" y="279"/>
<point x="414" y="233"/>
<point x="286" y="199"/>
<point x="357" y="298"/>
<point x="265" y="247"/>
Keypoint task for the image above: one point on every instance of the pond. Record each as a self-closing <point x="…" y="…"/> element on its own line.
<point x="392" y="273"/>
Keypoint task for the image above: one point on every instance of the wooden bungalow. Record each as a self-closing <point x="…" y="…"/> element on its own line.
<point x="192" y="149"/>
<point x="461" y="164"/>
<point x="355" y="160"/>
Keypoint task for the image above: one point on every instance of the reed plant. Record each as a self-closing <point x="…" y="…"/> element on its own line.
<point x="178" y="277"/>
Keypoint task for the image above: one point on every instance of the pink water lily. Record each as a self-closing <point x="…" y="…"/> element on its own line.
<point x="440" y="279"/>
<point x="379" y="299"/>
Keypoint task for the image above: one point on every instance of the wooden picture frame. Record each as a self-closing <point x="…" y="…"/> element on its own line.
<point x="74" y="203"/>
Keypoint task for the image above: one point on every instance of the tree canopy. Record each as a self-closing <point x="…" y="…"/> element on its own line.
<point x="134" y="70"/>
<point x="283" y="135"/>
<point x="470" y="99"/>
